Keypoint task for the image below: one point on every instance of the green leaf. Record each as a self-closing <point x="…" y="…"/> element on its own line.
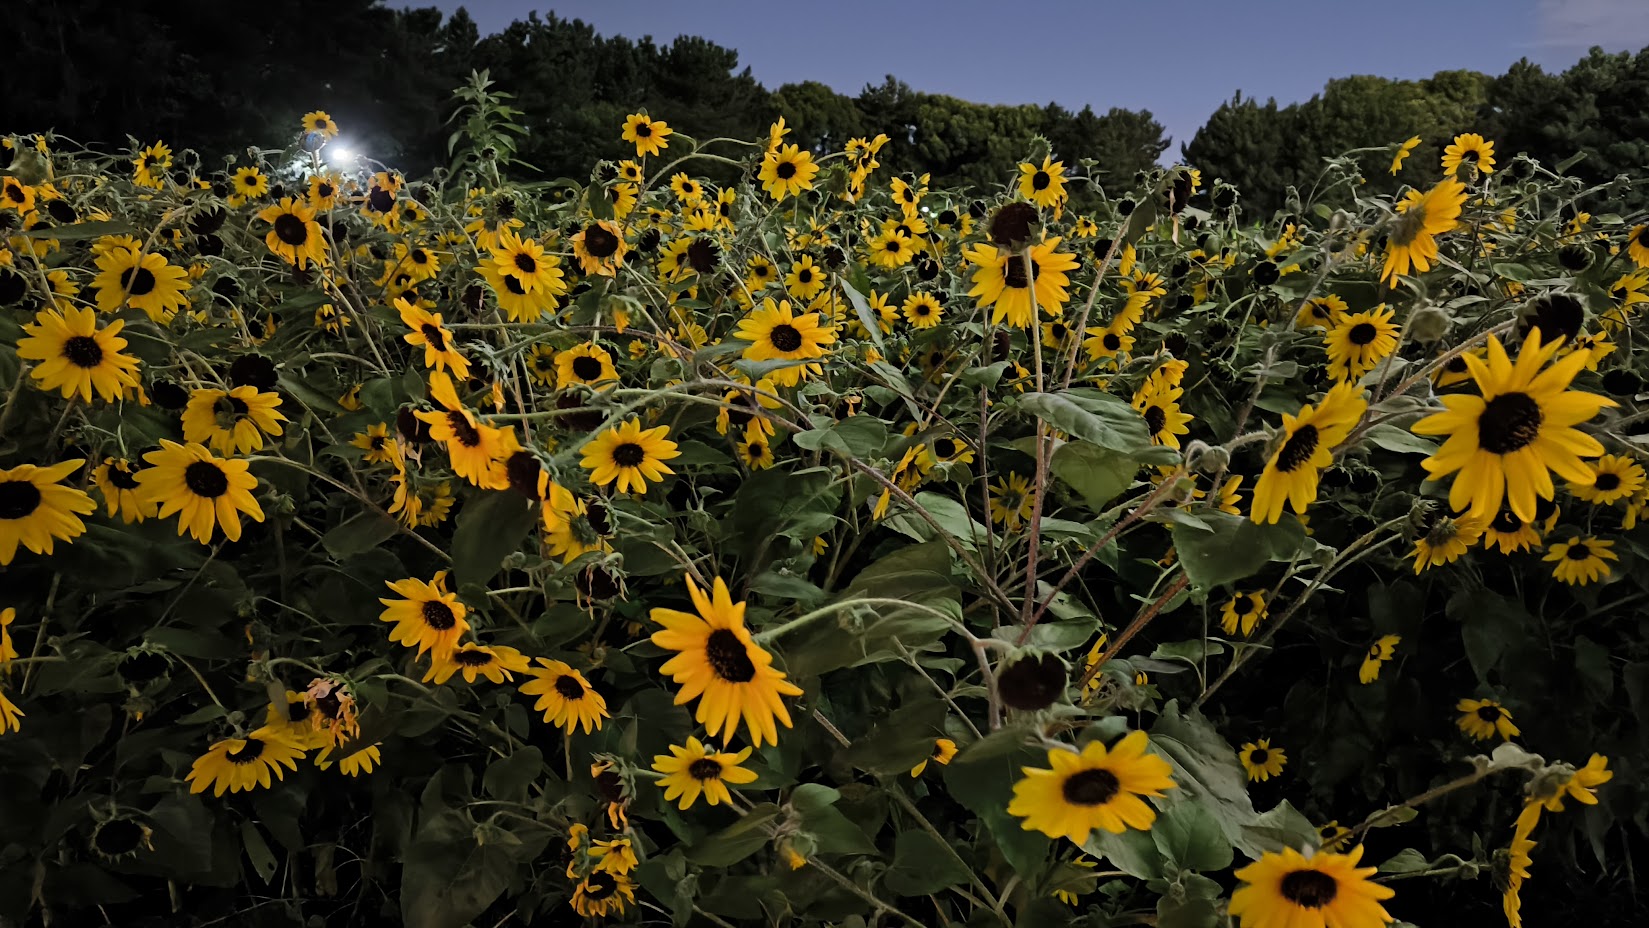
<point x="867" y="317"/>
<point x="1392" y="438"/>
<point x="1132" y="852"/>
<point x="1093" y="416"/>
<point x="1190" y="838"/>
<point x="508" y="778"/>
<point x="951" y="516"/>
<point x="901" y="740"/>
<point x="1235" y="549"/>
<point x="1099" y="475"/>
<point x="1193" y="652"/>
<point x="1206" y="771"/>
<point x="364" y="532"/>
<point x="1407" y="860"/>
<point x="257" y="850"/>
<point x="834" y="832"/>
<point x="981" y="777"/>
<point x="922" y="865"/>
<point x="737" y="841"/>
<point x="80" y="231"/>
<point x="1191" y="903"/>
<point x="856" y="436"/>
<point x="489" y="529"/>
<point x="1281" y="827"/>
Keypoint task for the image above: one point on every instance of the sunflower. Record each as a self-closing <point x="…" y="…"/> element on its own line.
<point x="686" y="189"/>
<point x="377" y="445"/>
<point x="922" y="310"/>
<point x="1510" y="533"/>
<point x="247" y="183"/>
<point x="440" y="353"/>
<point x="9" y="715"/>
<point x="1096" y="788"/>
<point x="150" y="166"/>
<point x="8" y="648"/>
<point x="718" y="663"/>
<point x="295" y="236"/>
<point x="805" y="279"/>
<point x="1291" y="890"/>
<point x="1045" y="185"/>
<point x="1484" y="718"/>
<point x="587" y="364"/>
<point x="891" y="249"/>
<point x="564" y="696"/>
<point x="1262" y="761"/>
<point x="1518" y="863"/>
<point x="1379" y="652"/>
<point x="426" y="616"/>
<point x="1110" y="341"/>
<point x="206" y="491"/>
<point x="944" y="751"/>
<point x="321" y="123"/>
<point x="1445" y="540"/>
<point x="1321" y="311"/>
<point x="787" y="171"/>
<point x="1505" y="442"/>
<point x="232" y="421"/>
<point x="775" y="333"/>
<point x="600" y="248"/>
<point x="571" y="527"/>
<point x="1582" y="560"/>
<point x="1359" y="341"/>
<point x="1011" y="501"/>
<point x="1244" y="610"/>
<point x="497" y="663"/>
<point x="16" y="195"/>
<point x="76" y="356"/>
<point x="648" y="135"/>
<point x="243" y="764"/>
<point x="116" y="480"/>
<point x="1422" y="217"/>
<point x="603" y="892"/>
<point x="475" y="449"/>
<point x="323" y="192"/>
<point x="1290" y="476"/>
<point x="1614" y="477"/>
<point x="694" y="770"/>
<point x="356" y="762"/>
<point x="1637" y="245"/>
<point x="1469" y="149"/>
<point x="629" y="455"/>
<point x="754" y="449"/>
<point x="1159" y="407"/>
<point x="1403" y="152"/>
<point x="514" y="298"/>
<point x="36" y="512"/>
<point x="144" y="282"/>
<point x="526" y="261"/>
<point x="1002" y="282"/>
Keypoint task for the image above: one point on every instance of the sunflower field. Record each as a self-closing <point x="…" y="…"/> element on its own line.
<point x="740" y="534"/>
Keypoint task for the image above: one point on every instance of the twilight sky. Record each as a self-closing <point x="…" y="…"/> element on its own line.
<point x="1179" y="60"/>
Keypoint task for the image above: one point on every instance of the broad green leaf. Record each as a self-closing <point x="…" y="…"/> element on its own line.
<point x="257" y="850"/>
<point x="1102" y="419"/>
<point x="1280" y="827"/>
<point x="1235" y="549"/>
<point x="901" y="740"/>
<point x="1100" y="475"/>
<point x="361" y="533"/>
<point x="508" y="777"/>
<point x="1206" y="771"/>
<point x="867" y="317"/>
<point x="737" y="841"/>
<point x="1132" y="852"/>
<point x="489" y="529"/>
<point x="922" y="865"/>
<point x="1193" y="902"/>
<point x="1190" y="838"/>
<point x="80" y="231"/>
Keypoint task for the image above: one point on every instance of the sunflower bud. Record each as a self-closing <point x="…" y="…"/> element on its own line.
<point x="1429" y="324"/>
<point x="1034" y="681"/>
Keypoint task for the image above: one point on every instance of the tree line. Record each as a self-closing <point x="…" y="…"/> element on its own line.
<point x="202" y="75"/>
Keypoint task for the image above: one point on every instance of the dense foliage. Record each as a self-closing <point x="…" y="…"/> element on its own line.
<point x="819" y="546"/>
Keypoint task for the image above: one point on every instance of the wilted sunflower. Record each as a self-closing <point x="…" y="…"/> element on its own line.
<point x="1290" y="890"/>
<point x="1309" y="437"/>
<point x="570" y="528"/>
<point x="1043" y="185"/>
<point x="1446" y="539"/>
<point x="1469" y="149"/>
<point x="586" y="364"/>
<point x="233" y="421"/>
<point x="1412" y="239"/>
<point x="1096" y="788"/>
<point x="495" y="662"/>
<point x="1379" y="652"/>
<point x="357" y="761"/>
<point x="1261" y="761"/>
<point x="10" y="714"/>
<point x="440" y="353"/>
<point x="564" y="696"/>
<point x="1484" y="718"/>
<point x="35" y="511"/>
<point x="76" y="357"/>
<point x="475" y="450"/>
<point x="1359" y="341"/>
<point x="1402" y="153"/>
<point x="695" y="770"/>
<point x="1614" y="477"/>
<point x="629" y="456"/>
<point x="145" y="282"/>
<point x="426" y="616"/>
<point x="718" y="663"/>
<point x="648" y="135"/>
<point x="1581" y="560"/>
<point x="603" y="893"/>
<point x="1244" y="611"/>
<point x="116" y="480"/>
<point x="243" y="764"/>
<point x="1505" y="443"/>
<point x="1004" y="283"/>
<point x="787" y="171"/>
<point x="600" y="248"/>
<point x="295" y="236"/>
<point x="775" y="333"/>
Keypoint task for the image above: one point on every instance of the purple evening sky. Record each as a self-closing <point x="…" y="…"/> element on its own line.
<point x="1180" y="60"/>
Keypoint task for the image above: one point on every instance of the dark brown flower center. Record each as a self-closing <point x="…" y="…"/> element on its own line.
<point x="704" y="769"/>
<point x="629" y="454"/>
<point x="1014" y="274"/>
<point x="247" y="753"/>
<point x="1298" y="449"/>
<point x="643" y="130"/>
<point x="291" y="229"/>
<point x="568" y="687"/>
<point x="18" y="499"/>
<point x="1112" y="341"/>
<point x="82" y="351"/>
<point x="1506" y="522"/>
<point x="467" y="434"/>
<point x="1509" y="422"/>
<point x="1243" y="605"/>
<point x="439" y="616"/>
<point x="805" y="276"/>
<point x="1155" y="418"/>
<point x="944" y="447"/>
<point x="1607" y="482"/>
<point x="785" y="170"/>
<point x="1578" y="551"/>
<point x="526" y="263"/>
<point x="1040" y="180"/>
<point x="433" y="334"/>
<point x="120" y="475"/>
<point x="1091" y="787"/>
<point x="118" y="836"/>
<point x="785" y="337"/>
<point x="1490" y="713"/>
<point x="138" y="281"/>
<point x="599" y="242"/>
<point x="203" y="478"/>
<point x="586" y="368"/>
<point x="599" y="885"/>
<point x="1309" y="889"/>
<point x="1258" y="756"/>
<point x="325" y="191"/>
<point x="472" y="657"/>
<point x="1362" y="333"/>
<point x="728" y="657"/>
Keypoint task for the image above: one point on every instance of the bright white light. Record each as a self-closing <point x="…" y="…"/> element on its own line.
<point x="925" y="210"/>
<point x="339" y="154"/>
